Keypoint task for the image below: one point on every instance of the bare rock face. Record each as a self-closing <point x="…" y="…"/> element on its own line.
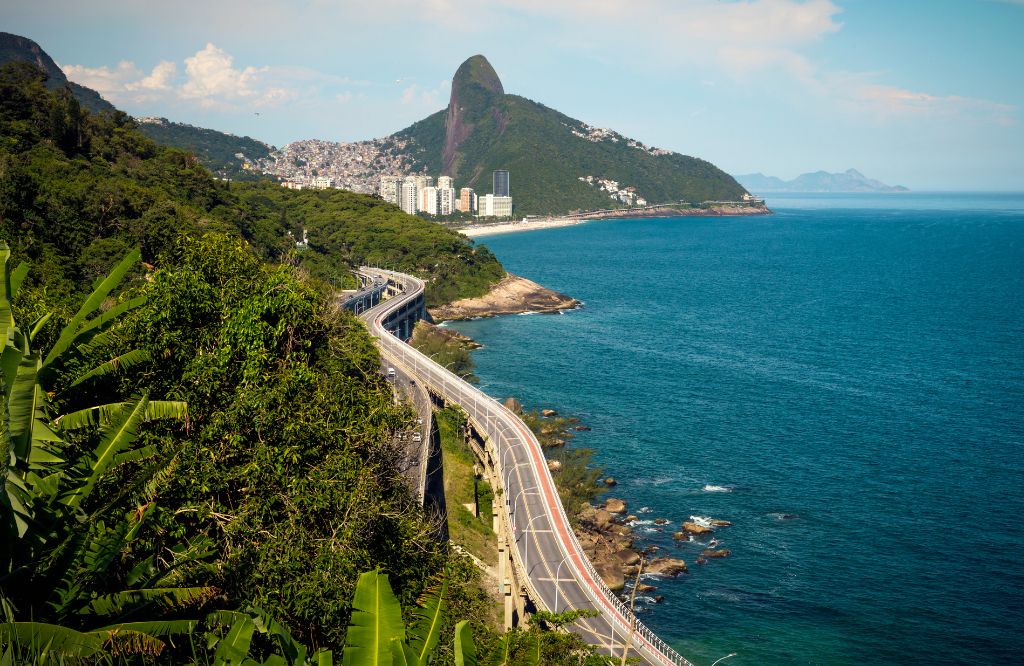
<point x="666" y="566"/>
<point x="694" y="528"/>
<point x="475" y="90"/>
<point x="602" y="518"/>
<point x="611" y="574"/>
<point x="628" y="557"/>
<point x="613" y="505"/>
<point x="512" y="295"/>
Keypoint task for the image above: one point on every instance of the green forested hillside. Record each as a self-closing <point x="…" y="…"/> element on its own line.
<point x="76" y="191"/>
<point x="485" y="129"/>
<point x="209" y="433"/>
<point x="216" y="150"/>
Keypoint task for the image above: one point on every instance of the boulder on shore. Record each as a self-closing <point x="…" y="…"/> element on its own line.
<point x="712" y="552"/>
<point x="666" y="566"/>
<point x="720" y="523"/>
<point x="602" y="518"/>
<point x="628" y="557"/>
<point x="548" y="413"/>
<point x="513" y="405"/>
<point x="581" y="428"/>
<point x="694" y="528"/>
<point x="610" y="481"/>
<point x="554" y="465"/>
<point x="613" y="505"/>
<point x="611" y="574"/>
<point x="660" y="521"/>
<point x="644" y="587"/>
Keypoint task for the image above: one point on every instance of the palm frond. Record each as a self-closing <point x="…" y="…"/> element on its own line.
<point x="114" y="365"/>
<point x="92" y="303"/>
<point x="168" y="598"/>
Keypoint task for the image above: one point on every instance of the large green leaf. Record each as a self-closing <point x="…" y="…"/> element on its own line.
<point x="114" y="365"/>
<point x="233" y="649"/>
<point x="426" y="629"/>
<point x="104" y="415"/>
<point x="92" y="303"/>
<point x="38" y="642"/>
<point x="465" y="651"/>
<point x="167" y="598"/>
<point x="376" y="622"/>
<point x="123" y="430"/>
<point x="503" y="652"/>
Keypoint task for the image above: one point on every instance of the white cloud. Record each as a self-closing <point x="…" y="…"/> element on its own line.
<point x="210" y="78"/>
<point x="430" y="99"/>
<point x="887" y="102"/>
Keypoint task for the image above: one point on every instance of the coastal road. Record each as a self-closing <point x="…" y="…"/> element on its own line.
<point x="548" y="558"/>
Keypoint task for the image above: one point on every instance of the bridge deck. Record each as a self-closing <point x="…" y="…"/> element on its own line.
<point x="548" y="560"/>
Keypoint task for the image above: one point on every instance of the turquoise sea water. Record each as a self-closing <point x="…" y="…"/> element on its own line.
<point x="844" y="381"/>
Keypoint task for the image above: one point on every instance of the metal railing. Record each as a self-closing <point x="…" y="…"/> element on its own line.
<point x="457" y="390"/>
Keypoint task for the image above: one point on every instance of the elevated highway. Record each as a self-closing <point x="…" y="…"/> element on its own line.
<point x="541" y="563"/>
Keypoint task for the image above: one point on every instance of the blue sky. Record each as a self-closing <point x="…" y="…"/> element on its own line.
<point x="925" y="94"/>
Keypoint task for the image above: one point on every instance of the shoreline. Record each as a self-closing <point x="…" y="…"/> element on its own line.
<point x="494" y="229"/>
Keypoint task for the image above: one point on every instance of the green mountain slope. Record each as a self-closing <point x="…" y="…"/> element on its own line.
<point x="218" y="151"/>
<point x="15" y="47"/>
<point x="547" y="152"/>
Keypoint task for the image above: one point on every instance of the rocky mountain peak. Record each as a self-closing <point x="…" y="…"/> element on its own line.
<point x="475" y="90"/>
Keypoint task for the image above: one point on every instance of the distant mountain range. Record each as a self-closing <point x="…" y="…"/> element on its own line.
<point x="850" y="180"/>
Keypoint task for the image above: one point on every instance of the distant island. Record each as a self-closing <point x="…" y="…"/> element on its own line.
<point x="850" y="180"/>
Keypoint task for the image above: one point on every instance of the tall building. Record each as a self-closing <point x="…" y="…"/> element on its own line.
<point x="492" y="206"/>
<point x="445" y="182"/>
<point x="467" y="200"/>
<point x="407" y="196"/>
<point x="500" y="185"/>
<point x="428" y="200"/>
<point x="445" y="199"/>
<point x="390" y="187"/>
<point x="424" y="181"/>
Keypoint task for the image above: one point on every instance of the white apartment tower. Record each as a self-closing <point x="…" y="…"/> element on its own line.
<point x="407" y="196"/>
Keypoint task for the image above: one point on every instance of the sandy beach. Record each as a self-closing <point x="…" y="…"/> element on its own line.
<point x="477" y="230"/>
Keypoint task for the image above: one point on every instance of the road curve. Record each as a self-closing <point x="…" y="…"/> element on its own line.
<point x="559" y="577"/>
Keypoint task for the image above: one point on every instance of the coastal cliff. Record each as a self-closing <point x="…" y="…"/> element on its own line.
<point x="512" y="295"/>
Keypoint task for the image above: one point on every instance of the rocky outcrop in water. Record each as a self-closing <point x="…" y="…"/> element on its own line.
<point x="513" y="295"/>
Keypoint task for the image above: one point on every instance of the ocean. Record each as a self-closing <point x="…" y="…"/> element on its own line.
<point x="843" y="381"/>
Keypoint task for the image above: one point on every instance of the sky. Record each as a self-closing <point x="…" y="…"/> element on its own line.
<point x="926" y="94"/>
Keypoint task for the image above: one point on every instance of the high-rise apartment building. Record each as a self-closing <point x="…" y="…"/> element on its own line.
<point x="499" y="184"/>
<point x="445" y="182"/>
<point x="427" y="200"/>
<point x="445" y="200"/>
<point x="424" y="181"/>
<point x="390" y="187"/>
<point x="467" y="201"/>
<point x="407" y="196"/>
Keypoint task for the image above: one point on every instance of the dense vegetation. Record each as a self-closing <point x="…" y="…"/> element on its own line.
<point x="545" y="159"/>
<point x="216" y="150"/>
<point x="78" y="190"/>
<point x="208" y="432"/>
